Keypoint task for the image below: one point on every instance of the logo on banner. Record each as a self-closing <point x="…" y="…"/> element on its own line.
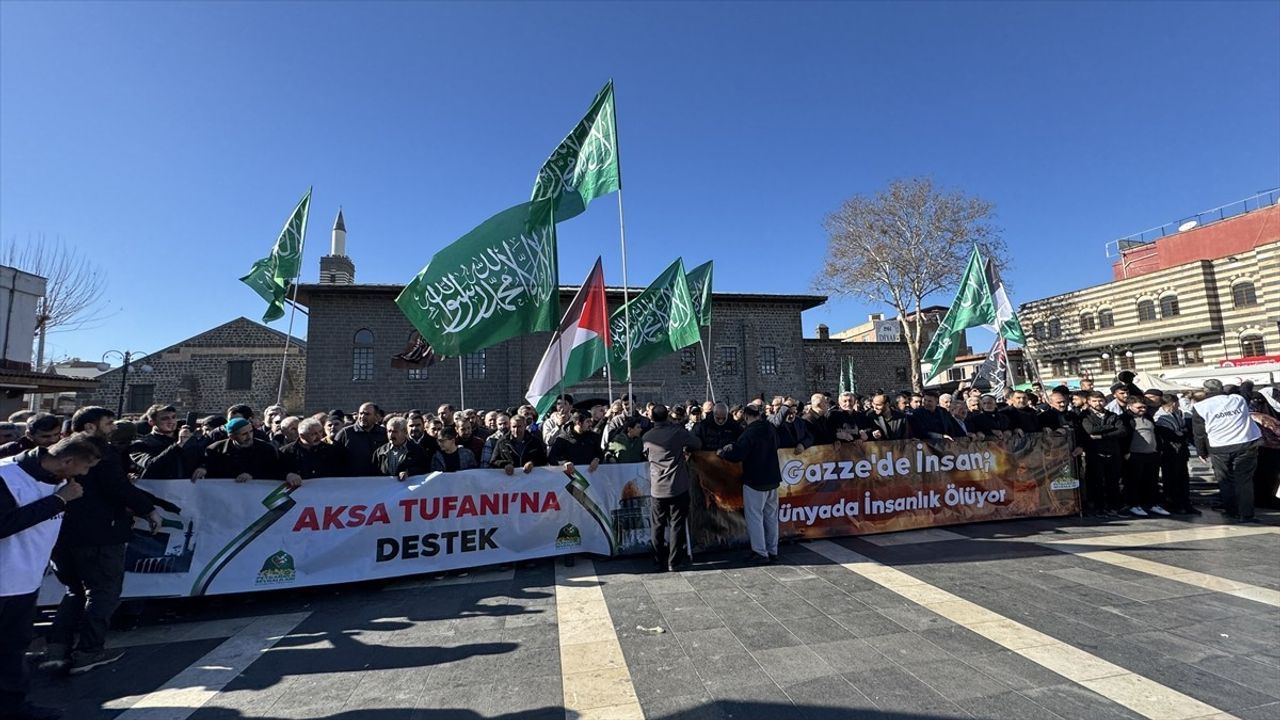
<point x="568" y="537"/>
<point x="276" y="569"/>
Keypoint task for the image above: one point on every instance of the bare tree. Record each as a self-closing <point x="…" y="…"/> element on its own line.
<point x="74" y="286"/>
<point x="903" y="244"/>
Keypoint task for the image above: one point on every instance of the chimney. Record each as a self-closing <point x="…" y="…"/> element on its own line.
<point x="824" y="332"/>
<point x="875" y="317"/>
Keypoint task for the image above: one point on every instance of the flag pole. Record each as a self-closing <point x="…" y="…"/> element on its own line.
<point x="462" y="386"/>
<point x="626" y="297"/>
<point x="293" y="305"/>
<point x="706" y="363"/>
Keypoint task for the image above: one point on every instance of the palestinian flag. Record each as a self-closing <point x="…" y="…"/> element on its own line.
<point x="579" y="347"/>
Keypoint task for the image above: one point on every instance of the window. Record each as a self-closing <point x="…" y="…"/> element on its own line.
<point x="1038" y="330"/>
<point x="1243" y="294"/>
<point x="362" y="356"/>
<point x="1169" y="306"/>
<point x="818" y="373"/>
<point x="1055" y="328"/>
<point x="955" y="374"/>
<point x="239" y="374"/>
<point x="1107" y="364"/>
<point x="1146" y="311"/>
<point x="688" y="361"/>
<point x="1106" y="319"/>
<point x="473" y="365"/>
<point x="141" y="397"/>
<point x="417" y="374"/>
<point x="1193" y="354"/>
<point x="1127" y="362"/>
<point x="1056" y="368"/>
<point x="729" y="359"/>
<point x="1168" y="356"/>
<point x="1086" y="322"/>
<point x="1073" y="367"/>
<point x="768" y="361"/>
<point x="1252" y="346"/>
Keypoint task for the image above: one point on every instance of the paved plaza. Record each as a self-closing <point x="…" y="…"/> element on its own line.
<point x="1062" y="618"/>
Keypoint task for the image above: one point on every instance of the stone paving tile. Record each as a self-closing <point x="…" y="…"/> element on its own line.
<point x="829" y="697"/>
<point x="753" y="702"/>
<point x="895" y="690"/>
<point x="1006" y="706"/>
<point x="788" y="666"/>
<point x="851" y="655"/>
<point x="1014" y="670"/>
<point x="666" y="680"/>
<point x="1073" y="701"/>
<point x="764" y="636"/>
<point x="731" y="670"/>
<point x="867" y="624"/>
<point x="955" y="681"/>
<point x="816" y="629"/>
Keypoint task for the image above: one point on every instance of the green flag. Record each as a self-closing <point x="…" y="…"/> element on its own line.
<point x="496" y="282"/>
<point x="699" y="280"/>
<point x="270" y="276"/>
<point x="585" y="165"/>
<point x="972" y="307"/>
<point x="848" y="379"/>
<point x="662" y="318"/>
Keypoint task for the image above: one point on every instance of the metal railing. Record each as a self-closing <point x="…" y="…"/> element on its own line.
<point x="1262" y="199"/>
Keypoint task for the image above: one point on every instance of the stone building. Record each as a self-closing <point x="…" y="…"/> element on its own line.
<point x="755" y="347"/>
<point x="236" y="362"/>
<point x="1208" y="293"/>
<point x="878" y="366"/>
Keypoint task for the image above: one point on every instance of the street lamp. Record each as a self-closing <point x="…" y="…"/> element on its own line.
<point x="126" y="357"/>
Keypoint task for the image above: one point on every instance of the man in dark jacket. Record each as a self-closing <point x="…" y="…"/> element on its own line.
<point x="310" y="456"/>
<point x="241" y="456"/>
<point x="89" y="555"/>
<point x="817" y="422"/>
<point x="1105" y="439"/>
<point x="988" y="421"/>
<point x="717" y="429"/>
<point x="757" y="450"/>
<point x="360" y="440"/>
<point x="514" y="447"/>
<point x="1174" y="433"/>
<point x="665" y="446"/>
<point x="399" y="458"/>
<point x="579" y="446"/>
<point x="43" y="430"/>
<point x="157" y="454"/>
<point x="934" y="423"/>
<point x="884" y="422"/>
<point x="1022" y="417"/>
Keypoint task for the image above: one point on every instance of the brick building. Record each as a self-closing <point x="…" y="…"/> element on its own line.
<point x="1207" y="294"/>
<point x="236" y="362"/>
<point x="755" y="346"/>
<point x="878" y="366"/>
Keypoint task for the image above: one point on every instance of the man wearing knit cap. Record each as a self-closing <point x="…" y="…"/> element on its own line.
<point x="241" y="456"/>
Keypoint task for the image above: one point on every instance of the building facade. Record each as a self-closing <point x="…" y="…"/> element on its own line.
<point x="1218" y="306"/>
<point x="236" y="362"/>
<point x="361" y="348"/>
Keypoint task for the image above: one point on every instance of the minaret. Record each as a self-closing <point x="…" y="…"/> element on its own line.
<point x="336" y="268"/>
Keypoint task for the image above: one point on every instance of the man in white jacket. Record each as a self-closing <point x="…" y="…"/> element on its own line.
<point x="1228" y="438"/>
<point x="34" y="488"/>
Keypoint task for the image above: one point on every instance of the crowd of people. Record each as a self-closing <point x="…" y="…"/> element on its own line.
<point x="68" y="491"/>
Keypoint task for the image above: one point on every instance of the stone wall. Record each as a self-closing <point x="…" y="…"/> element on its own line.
<point x="193" y="374"/>
<point x="879" y="366"/>
<point x="749" y="325"/>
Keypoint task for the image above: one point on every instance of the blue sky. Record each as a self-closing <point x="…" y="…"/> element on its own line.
<point x="170" y="140"/>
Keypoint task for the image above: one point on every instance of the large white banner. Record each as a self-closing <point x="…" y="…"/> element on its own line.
<point x="238" y="537"/>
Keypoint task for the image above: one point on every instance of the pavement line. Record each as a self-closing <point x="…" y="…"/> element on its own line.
<point x="190" y="689"/>
<point x="914" y="537"/>
<point x="1163" y="537"/>
<point x="1245" y="590"/>
<point x="597" y="683"/>
<point x="1140" y="694"/>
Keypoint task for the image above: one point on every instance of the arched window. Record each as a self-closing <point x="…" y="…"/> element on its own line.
<point x="1146" y="311"/>
<point x="1056" y="368"/>
<point x="1073" y="366"/>
<point x="1037" y="329"/>
<point x="1106" y="319"/>
<point x="1107" y="363"/>
<point x="1168" y="356"/>
<point x="1169" y="306"/>
<point x="1087" y="323"/>
<point x="1243" y="294"/>
<point x="1055" y="328"/>
<point x="362" y="356"/>
<point x="1128" y="361"/>
<point x="1252" y="346"/>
